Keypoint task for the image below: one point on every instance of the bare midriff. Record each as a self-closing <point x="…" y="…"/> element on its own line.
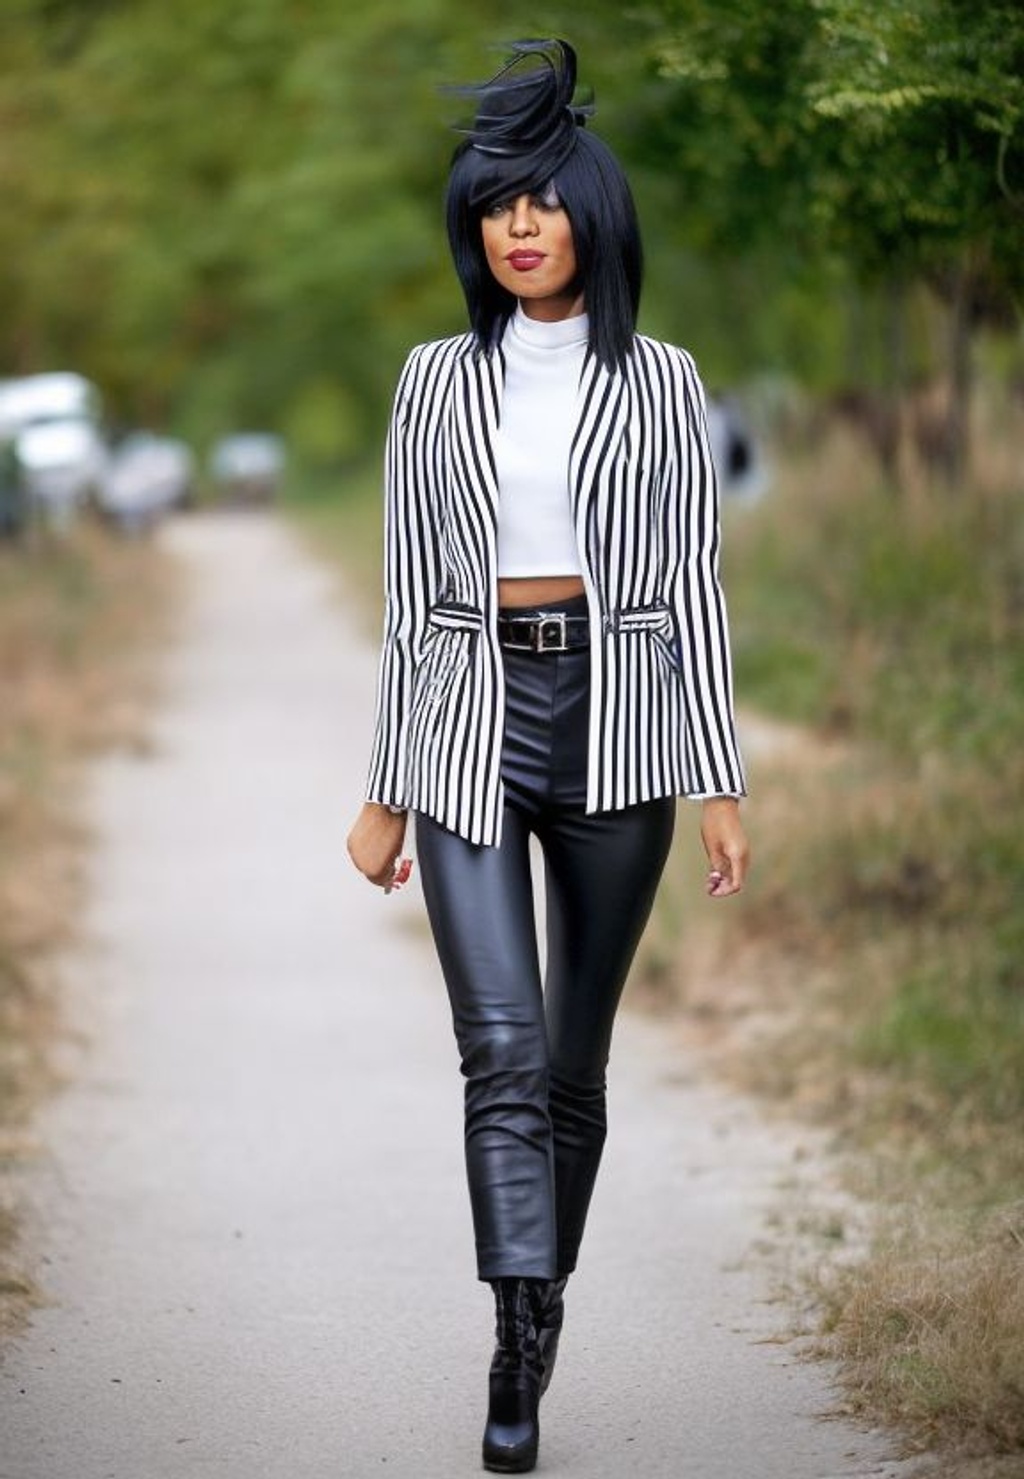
<point x="538" y="590"/>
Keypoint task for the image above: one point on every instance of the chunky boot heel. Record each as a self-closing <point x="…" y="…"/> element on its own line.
<point x="512" y="1433"/>
<point x="548" y="1314"/>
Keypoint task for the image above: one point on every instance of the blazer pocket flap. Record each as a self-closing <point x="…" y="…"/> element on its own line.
<point x="456" y="619"/>
<point x="654" y="619"/>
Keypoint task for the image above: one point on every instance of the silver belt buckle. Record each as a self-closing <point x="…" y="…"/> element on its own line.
<point x="551" y="633"/>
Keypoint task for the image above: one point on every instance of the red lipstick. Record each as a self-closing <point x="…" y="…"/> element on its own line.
<point x="525" y="261"/>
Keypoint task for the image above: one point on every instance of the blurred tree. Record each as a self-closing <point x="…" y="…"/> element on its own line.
<point x="219" y="212"/>
<point x="885" y="134"/>
<point x="232" y="214"/>
<point x="923" y="103"/>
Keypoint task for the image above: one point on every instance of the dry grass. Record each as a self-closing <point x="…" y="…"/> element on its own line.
<point x="76" y="617"/>
<point x="919" y="1297"/>
<point x="923" y="1305"/>
<point x="931" y="1330"/>
<point x="870" y="979"/>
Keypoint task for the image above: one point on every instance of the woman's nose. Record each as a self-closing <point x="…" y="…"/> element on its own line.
<point x="523" y="221"/>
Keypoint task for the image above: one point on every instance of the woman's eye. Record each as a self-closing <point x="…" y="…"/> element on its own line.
<point x="545" y="200"/>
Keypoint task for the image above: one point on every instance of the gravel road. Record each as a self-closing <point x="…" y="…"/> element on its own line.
<point x="255" y="1239"/>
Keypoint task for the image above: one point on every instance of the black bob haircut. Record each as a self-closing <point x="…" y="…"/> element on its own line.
<point x="527" y="135"/>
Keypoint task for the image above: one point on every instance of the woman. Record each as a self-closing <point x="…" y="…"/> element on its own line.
<point x="555" y="665"/>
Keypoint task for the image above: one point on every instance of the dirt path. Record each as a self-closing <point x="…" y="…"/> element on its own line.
<point x="255" y="1238"/>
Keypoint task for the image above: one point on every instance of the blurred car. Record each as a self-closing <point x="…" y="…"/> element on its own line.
<point x="247" y="467"/>
<point x="146" y="477"/>
<point x="53" y="421"/>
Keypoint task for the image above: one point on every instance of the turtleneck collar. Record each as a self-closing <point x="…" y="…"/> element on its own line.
<point x="542" y="335"/>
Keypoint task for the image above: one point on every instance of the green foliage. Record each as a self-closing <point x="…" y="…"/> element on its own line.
<point x="950" y="1024"/>
<point x="887" y="596"/>
<point x="230" y="215"/>
<point x="244" y="205"/>
<point x="890" y="132"/>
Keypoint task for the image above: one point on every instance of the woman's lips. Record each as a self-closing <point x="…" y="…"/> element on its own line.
<point x="525" y="261"/>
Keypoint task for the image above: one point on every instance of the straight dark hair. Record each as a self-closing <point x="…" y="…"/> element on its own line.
<point x="593" y="189"/>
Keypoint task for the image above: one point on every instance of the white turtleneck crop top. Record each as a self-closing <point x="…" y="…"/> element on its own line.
<point x="543" y="362"/>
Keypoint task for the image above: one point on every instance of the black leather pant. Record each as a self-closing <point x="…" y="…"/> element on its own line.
<point x="534" y="1053"/>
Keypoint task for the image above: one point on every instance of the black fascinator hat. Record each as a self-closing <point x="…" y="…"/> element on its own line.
<point x="528" y="133"/>
<point x="526" y="123"/>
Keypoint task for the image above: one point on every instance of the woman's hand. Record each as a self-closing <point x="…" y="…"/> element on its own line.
<point x="725" y="843"/>
<point x="375" y="846"/>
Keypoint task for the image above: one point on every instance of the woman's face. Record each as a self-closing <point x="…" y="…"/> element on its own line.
<point x="529" y="249"/>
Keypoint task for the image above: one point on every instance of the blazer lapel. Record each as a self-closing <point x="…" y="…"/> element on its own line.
<point x="600" y="426"/>
<point x="476" y="411"/>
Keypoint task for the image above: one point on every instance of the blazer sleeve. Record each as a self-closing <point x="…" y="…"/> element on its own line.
<point x="716" y="765"/>
<point x="411" y="567"/>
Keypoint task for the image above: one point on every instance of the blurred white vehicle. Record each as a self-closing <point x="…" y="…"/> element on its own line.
<point x="248" y="466"/>
<point x="53" y="422"/>
<point x="35" y="398"/>
<point x="146" y="477"/>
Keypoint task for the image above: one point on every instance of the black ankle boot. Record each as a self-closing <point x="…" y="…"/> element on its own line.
<point x="548" y="1314"/>
<point x="512" y="1434"/>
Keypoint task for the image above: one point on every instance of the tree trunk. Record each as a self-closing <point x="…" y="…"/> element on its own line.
<point x="894" y="387"/>
<point x="957" y="448"/>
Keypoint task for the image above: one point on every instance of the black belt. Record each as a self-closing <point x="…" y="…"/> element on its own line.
<point x="543" y="631"/>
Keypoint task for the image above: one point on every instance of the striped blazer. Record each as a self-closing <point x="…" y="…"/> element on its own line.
<point x="644" y="502"/>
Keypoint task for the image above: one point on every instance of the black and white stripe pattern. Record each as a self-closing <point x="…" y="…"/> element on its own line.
<point x="645" y="508"/>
